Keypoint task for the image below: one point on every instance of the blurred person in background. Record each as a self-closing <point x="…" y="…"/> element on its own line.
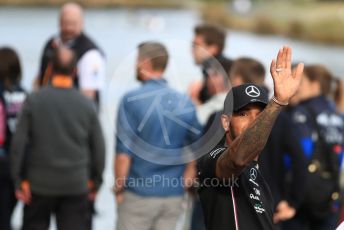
<point x="207" y="49"/>
<point x="241" y="71"/>
<point x="90" y="77"/>
<point x="13" y="93"/>
<point x="12" y="98"/>
<point x="66" y="157"/>
<point x="218" y="85"/>
<point x="147" y="115"/>
<point x="90" y="72"/>
<point x="322" y="140"/>
<point x="338" y="95"/>
<point x="247" y="70"/>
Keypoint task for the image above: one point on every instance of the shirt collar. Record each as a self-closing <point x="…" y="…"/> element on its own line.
<point x="160" y="81"/>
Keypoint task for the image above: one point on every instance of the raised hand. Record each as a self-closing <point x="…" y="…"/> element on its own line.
<point x="286" y="81"/>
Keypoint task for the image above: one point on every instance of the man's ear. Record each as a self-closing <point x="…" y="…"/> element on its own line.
<point x="145" y="68"/>
<point x="225" y="122"/>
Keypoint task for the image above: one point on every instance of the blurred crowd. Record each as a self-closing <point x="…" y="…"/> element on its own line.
<point x="52" y="149"/>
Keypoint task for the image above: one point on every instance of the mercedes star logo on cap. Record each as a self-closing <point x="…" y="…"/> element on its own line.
<point x="252" y="91"/>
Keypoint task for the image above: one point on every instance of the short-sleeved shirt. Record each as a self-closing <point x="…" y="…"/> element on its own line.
<point x="244" y="202"/>
<point x="91" y="70"/>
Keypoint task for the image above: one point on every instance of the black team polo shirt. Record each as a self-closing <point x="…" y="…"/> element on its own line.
<point x="244" y="202"/>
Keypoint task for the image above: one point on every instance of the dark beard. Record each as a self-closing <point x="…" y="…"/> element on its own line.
<point x="138" y="76"/>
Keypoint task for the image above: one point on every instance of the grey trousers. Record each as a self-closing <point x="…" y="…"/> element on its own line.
<point x="148" y="213"/>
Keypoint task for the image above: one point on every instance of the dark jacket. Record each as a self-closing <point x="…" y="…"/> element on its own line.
<point x="321" y="135"/>
<point x="283" y="164"/>
<point x="66" y="143"/>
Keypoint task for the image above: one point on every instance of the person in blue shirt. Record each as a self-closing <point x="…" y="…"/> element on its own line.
<point x="156" y="125"/>
<point x="321" y="132"/>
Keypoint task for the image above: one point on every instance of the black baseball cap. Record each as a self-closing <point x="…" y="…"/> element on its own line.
<point x="243" y="95"/>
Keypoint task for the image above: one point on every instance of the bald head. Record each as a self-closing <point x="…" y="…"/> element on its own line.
<point x="71" y="21"/>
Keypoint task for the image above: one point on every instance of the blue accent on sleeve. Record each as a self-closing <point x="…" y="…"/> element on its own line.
<point x="307" y="146"/>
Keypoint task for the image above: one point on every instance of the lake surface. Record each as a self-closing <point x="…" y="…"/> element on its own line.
<point x="118" y="32"/>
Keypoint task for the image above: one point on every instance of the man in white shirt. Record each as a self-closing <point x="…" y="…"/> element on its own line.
<point x="90" y="60"/>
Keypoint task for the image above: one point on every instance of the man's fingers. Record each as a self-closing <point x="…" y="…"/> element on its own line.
<point x="119" y="198"/>
<point x="27" y="198"/>
<point x="285" y="51"/>
<point x="23" y="197"/>
<point x="276" y="218"/>
<point x="298" y="71"/>
<point x="27" y="193"/>
<point x="280" y="216"/>
<point x="20" y="196"/>
<point x="279" y="61"/>
<point x="92" y="196"/>
<point x="273" y="68"/>
<point x="288" y="59"/>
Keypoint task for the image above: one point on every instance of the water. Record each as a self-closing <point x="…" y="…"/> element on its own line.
<point x="118" y="32"/>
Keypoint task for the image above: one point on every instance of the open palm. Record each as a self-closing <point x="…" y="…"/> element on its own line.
<point x="286" y="81"/>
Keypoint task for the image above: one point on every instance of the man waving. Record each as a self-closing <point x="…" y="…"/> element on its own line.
<point x="233" y="193"/>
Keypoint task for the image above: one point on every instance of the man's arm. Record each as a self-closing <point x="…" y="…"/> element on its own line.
<point x="44" y="64"/>
<point x="122" y="165"/>
<point x="19" y="143"/>
<point x="286" y="208"/>
<point x="246" y="147"/>
<point x="97" y="147"/>
<point x="122" y="160"/>
<point x="189" y="175"/>
<point x="298" y="166"/>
